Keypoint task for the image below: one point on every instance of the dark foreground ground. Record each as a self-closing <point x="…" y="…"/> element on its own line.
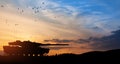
<point x="95" y="57"/>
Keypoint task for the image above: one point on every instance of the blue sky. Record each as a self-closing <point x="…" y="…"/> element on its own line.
<point x="59" y="20"/>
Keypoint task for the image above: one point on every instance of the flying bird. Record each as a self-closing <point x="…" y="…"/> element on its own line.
<point x="18" y="8"/>
<point x="22" y="10"/>
<point x="2" y="5"/>
<point x="16" y="24"/>
<point x="43" y="3"/>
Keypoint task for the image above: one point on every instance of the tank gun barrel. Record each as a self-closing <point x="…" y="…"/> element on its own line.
<point x="25" y="43"/>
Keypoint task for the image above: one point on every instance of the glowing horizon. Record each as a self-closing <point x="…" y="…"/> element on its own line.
<point x="80" y="23"/>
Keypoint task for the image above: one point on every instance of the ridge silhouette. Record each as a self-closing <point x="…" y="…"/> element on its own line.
<point x="93" y="57"/>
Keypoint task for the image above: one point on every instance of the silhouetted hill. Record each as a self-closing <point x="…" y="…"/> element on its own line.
<point x="94" y="57"/>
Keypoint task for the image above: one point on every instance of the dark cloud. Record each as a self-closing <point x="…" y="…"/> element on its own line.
<point x="107" y="42"/>
<point x="104" y="43"/>
<point x="82" y="41"/>
<point x="67" y="41"/>
<point x="59" y="41"/>
<point x="58" y="48"/>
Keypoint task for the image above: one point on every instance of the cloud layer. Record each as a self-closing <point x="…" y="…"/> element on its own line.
<point x="80" y="20"/>
<point x="103" y="43"/>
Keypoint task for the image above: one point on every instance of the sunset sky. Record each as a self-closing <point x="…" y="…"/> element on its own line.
<point x="84" y="24"/>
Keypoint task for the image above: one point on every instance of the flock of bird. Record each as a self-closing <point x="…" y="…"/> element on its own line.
<point x="36" y="10"/>
<point x="21" y="11"/>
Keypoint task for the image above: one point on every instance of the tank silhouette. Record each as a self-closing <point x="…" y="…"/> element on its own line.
<point x="27" y="48"/>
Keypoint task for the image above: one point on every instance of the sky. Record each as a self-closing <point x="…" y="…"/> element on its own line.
<point x="86" y="25"/>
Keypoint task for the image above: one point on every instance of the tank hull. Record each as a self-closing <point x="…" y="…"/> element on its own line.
<point x="25" y="51"/>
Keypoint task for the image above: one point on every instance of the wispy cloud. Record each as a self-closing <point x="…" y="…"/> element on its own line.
<point x="77" y="20"/>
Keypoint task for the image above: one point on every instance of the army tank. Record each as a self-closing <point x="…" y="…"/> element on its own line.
<point x="27" y="48"/>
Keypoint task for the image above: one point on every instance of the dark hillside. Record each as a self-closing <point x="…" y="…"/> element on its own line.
<point x="94" y="57"/>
